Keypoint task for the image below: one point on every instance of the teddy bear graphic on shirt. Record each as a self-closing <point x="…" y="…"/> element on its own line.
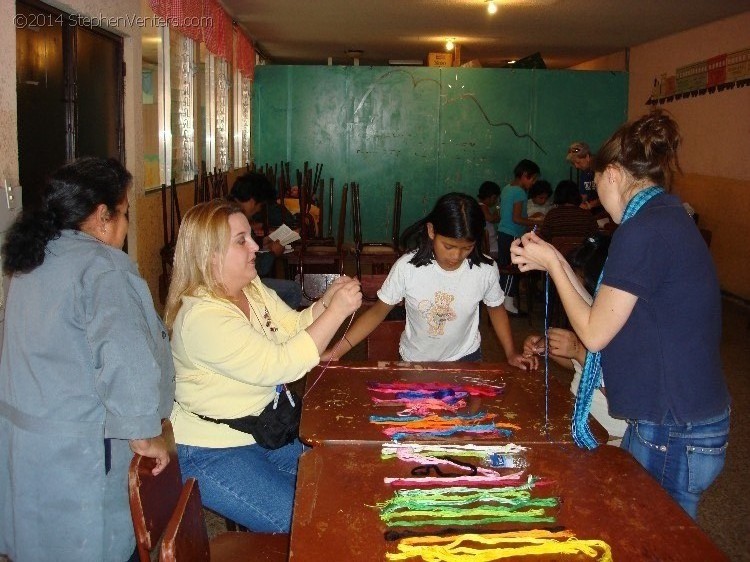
<point x="437" y="313"/>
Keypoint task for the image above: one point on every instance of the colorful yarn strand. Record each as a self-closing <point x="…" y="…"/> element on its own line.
<point x="434" y="425"/>
<point x="459" y="548"/>
<point x="477" y="389"/>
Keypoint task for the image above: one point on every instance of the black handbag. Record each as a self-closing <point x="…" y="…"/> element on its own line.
<point x="274" y="427"/>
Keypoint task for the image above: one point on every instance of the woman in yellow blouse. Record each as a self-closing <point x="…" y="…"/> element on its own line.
<point x="235" y="343"/>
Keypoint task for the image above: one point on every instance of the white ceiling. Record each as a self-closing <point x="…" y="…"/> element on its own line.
<point x="565" y="32"/>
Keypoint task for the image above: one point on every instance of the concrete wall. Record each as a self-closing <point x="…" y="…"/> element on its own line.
<point x="716" y="133"/>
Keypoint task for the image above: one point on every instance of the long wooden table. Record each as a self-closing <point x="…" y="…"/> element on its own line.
<point x="604" y="494"/>
<point x="337" y="408"/>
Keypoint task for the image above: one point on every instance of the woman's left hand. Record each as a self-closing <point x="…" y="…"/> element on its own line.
<point x="531" y="252"/>
<point x="524" y="362"/>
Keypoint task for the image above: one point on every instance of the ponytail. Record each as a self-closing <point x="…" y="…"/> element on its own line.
<point x="26" y="241"/>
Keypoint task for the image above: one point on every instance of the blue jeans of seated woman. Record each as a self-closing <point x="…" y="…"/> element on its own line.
<point x="684" y="458"/>
<point x="250" y="485"/>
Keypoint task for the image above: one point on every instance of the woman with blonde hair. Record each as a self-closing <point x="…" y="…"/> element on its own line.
<point x="654" y="325"/>
<point x="235" y="345"/>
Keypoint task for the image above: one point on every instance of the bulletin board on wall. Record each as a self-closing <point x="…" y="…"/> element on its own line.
<point x="435" y="130"/>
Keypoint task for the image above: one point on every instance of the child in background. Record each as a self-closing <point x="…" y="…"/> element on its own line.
<point x="442" y="283"/>
<point x="489" y="193"/>
<point x="514" y="222"/>
<point x="567" y="218"/>
<point x="540" y="199"/>
<point x="252" y="192"/>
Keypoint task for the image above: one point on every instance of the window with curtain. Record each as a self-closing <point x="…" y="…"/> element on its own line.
<point x="182" y="57"/>
<point x="196" y="102"/>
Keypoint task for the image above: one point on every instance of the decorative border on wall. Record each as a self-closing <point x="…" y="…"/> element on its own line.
<point x="718" y="73"/>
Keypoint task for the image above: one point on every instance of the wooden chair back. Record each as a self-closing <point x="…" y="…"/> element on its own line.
<point x="328" y="257"/>
<point x="380" y="254"/>
<point x="396" y="230"/>
<point x="153" y="498"/>
<point x="171" y="220"/>
<point x="186" y="537"/>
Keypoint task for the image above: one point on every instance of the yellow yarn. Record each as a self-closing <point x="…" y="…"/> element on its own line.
<point x="523" y="543"/>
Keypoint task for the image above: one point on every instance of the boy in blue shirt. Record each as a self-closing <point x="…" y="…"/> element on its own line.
<point x="514" y="222"/>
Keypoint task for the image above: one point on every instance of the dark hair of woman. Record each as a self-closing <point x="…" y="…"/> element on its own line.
<point x="645" y="148"/>
<point x="589" y="258"/>
<point x="567" y="193"/>
<point x="72" y="194"/>
<point x="455" y="215"/>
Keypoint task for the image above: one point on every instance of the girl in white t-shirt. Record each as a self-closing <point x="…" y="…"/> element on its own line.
<point x="442" y="283"/>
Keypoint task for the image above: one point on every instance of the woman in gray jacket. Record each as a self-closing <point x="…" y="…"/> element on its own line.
<point x="86" y="373"/>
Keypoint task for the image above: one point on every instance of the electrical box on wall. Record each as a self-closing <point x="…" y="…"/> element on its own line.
<point x="12" y="198"/>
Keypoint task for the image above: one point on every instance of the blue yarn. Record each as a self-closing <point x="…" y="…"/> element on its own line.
<point x="451" y="431"/>
<point x="591" y="378"/>
<point x="448" y="395"/>
<point x="546" y="354"/>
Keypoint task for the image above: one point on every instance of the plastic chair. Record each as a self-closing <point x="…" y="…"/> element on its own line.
<point x="186" y="537"/>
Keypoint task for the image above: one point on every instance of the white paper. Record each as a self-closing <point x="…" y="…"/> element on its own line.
<point x="284" y="235"/>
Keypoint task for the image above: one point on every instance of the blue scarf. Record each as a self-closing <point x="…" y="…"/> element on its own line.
<point x="591" y="378"/>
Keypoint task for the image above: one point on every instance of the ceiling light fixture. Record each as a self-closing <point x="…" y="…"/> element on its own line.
<point x="449" y="44"/>
<point x="491" y="7"/>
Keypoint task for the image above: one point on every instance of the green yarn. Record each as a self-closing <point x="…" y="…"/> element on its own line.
<point x="465" y="506"/>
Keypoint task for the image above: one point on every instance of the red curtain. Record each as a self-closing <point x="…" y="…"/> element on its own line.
<point x="217" y="30"/>
<point x="184" y="16"/>
<point x="245" y="55"/>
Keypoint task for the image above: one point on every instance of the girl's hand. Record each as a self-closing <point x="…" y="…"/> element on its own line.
<point x="533" y="345"/>
<point x="531" y="252"/>
<point x="347" y="296"/>
<point x="524" y="362"/>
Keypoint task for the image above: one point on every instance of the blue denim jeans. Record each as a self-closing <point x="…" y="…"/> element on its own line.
<point x="289" y="291"/>
<point x="250" y="485"/>
<point x="684" y="458"/>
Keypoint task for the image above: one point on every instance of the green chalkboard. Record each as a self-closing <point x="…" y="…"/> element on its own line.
<point x="434" y="130"/>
